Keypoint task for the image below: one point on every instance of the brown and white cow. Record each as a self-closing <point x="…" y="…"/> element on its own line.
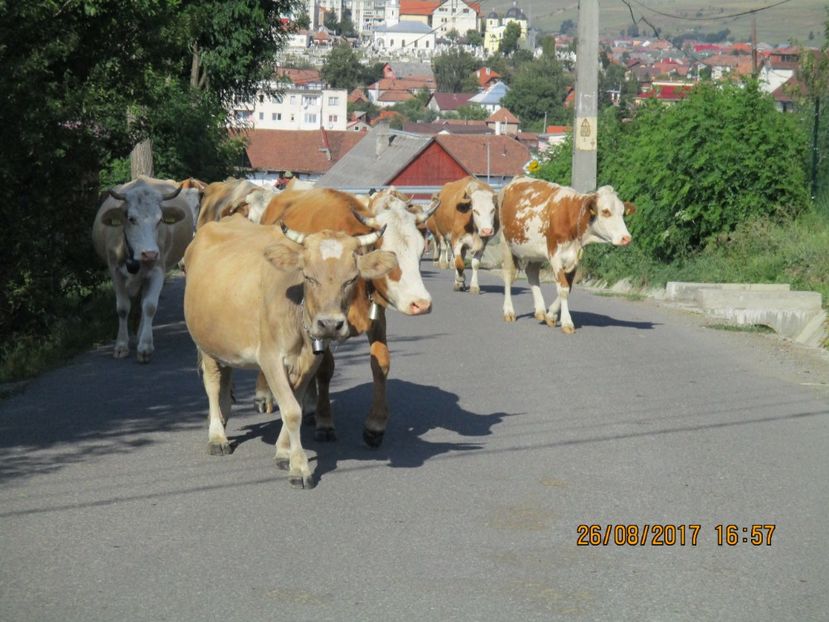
<point x="141" y="230"/>
<point x="545" y="222"/>
<point x="314" y="210"/>
<point x="224" y="198"/>
<point x="254" y="299"/>
<point x="465" y="218"/>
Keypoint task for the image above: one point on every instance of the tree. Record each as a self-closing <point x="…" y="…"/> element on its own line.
<point x="72" y="72"/>
<point x="451" y="68"/>
<point x="473" y="37"/>
<point x="415" y="109"/>
<point x="538" y="89"/>
<point x="509" y="43"/>
<point x="453" y="35"/>
<point x="342" y="68"/>
<point x="568" y="27"/>
<point x="329" y="20"/>
<point x="303" y="21"/>
<point x="473" y="112"/>
<point x="613" y="78"/>
<point x="346" y="25"/>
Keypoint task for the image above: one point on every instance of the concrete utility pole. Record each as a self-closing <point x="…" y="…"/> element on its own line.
<point x="585" y="124"/>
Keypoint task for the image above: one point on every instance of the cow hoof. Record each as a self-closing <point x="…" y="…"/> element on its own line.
<point x="541" y="316"/>
<point x="568" y="329"/>
<point x="458" y="287"/>
<point x="144" y="356"/>
<point x="443" y="265"/>
<point x="301" y="482"/>
<point x="263" y="405"/>
<point x="550" y="320"/>
<point x="219" y="449"/>
<point x="509" y="316"/>
<point x="325" y="435"/>
<point x="474" y="290"/>
<point x="122" y="350"/>
<point x="373" y="439"/>
<point x="309" y="419"/>
<point x="283" y="464"/>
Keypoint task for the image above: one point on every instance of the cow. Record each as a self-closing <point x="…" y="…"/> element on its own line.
<point x="193" y="191"/>
<point x="141" y="230"/>
<point x="314" y="210"/>
<point x="464" y="218"/>
<point x="545" y="222"/>
<point x="223" y="198"/>
<point x="256" y="299"/>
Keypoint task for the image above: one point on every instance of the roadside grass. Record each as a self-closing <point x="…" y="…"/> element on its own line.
<point x="758" y="251"/>
<point x="750" y="328"/>
<point x="89" y="320"/>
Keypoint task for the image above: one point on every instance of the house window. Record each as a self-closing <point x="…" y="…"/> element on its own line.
<point x="276" y="116"/>
<point x="415" y="42"/>
<point x="427" y="44"/>
<point x="333" y="101"/>
<point x="391" y="43"/>
<point x="293" y="118"/>
<point x="310" y="117"/>
<point x="261" y="116"/>
<point x="293" y="99"/>
<point x="332" y="118"/>
<point x="261" y="99"/>
<point x="466" y="10"/>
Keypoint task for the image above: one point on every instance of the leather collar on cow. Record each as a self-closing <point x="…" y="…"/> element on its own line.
<point x="130" y="262"/>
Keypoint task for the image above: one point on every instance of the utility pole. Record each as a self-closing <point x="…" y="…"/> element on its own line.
<point x="585" y="125"/>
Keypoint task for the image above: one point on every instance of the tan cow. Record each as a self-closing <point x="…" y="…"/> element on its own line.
<point x="141" y="230"/>
<point x="545" y="222"/>
<point x="403" y="289"/>
<point x="254" y="299"/>
<point x="465" y="218"/>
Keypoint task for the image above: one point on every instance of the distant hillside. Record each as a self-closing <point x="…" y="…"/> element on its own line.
<point x="794" y="20"/>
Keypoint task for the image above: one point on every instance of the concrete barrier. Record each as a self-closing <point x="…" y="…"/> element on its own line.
<point x="683" y="292"/>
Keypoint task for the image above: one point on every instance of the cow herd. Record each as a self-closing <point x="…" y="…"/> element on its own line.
<point x="273" y="277"/>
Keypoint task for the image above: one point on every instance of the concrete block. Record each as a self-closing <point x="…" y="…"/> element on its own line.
<point x="686" y="292"/>
<point x="790" y="314"/>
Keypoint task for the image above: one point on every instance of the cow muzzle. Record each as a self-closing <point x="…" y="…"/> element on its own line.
<point x="623" y="241"/>
<point x="486" y="233"/>
<point x="329" y="327"/>
<point x="420" y="307"/>
<point x="149" y="257"/>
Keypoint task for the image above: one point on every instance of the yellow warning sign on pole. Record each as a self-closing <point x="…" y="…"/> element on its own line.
<point x="585" y="133"/>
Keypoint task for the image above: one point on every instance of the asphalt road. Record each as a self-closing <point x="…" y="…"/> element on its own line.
<point x="504" y="439"/>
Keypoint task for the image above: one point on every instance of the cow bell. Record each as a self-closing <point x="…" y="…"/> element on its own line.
<point x="318" y="346"/>
<point x="374" y="312"/>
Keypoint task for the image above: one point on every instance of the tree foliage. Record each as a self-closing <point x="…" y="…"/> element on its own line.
<point x="509" y="43"/>
<point x="697" y="169"/>
<point x="72" y="71"/>
<point x="538" y="88"/>
<point x="473" y="37"/>
<point x="451" y="69"/>
<point x="342" y="68"/>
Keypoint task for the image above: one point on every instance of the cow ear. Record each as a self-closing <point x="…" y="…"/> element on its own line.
<point x="171" y="214"/>
<point x="284" y="257"/>
<point x="376" y="264"/>
<point x="591" y="203"/>
<point x="113" y="217"/>
<point x="630" y="208"/>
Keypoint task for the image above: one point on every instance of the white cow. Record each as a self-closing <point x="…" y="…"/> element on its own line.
<point x="141" y="230"/>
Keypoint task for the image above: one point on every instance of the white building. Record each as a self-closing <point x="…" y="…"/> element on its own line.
<point x="318" y="8"/>
<point x="368" y="14"/>
<point x="298" y="109"/>
<point x="454" y="15"/>
<point x="411" y="38"/>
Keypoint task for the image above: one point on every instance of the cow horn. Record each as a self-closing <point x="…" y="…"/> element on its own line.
<point x="368" y="221"/>
<point x="424" y="216"/>
<point x="370" y="238"/>
<point x="172" y="195"/>
<point x="294" y="236"/>
<point x="117" y="195"/>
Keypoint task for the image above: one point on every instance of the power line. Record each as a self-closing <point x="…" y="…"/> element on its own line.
<point x="708" y="19"/>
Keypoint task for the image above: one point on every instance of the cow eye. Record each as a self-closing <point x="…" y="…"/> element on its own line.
<point x="311" y="280"/>
<point x="349" y="282"/>
<point x="133" y="220"/>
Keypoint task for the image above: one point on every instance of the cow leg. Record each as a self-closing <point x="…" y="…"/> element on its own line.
<point x="564" y="284"/>
<point x="217" y="380"/>
<point x="533" y="279"/>
<point x="149" y="305"/>
<point x="443" y="263"/>
<point x="474" y="288"/>
<point x="459" y="250"/>
<point x="122" y="308"/>
<point x="378" y="416"/>
<point x="324" y="420"/>
<point x="263" y="399"/>
<point x="508" y="271"/>
<point x="289" y="451"/>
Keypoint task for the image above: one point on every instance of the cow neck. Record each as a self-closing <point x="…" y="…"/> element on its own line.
<point x="318" y="346"/>
<point x="375" y="295"/>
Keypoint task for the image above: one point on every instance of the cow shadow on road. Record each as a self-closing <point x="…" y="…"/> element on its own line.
<point x="583" y="319"/>
<point x="416" y="410"/>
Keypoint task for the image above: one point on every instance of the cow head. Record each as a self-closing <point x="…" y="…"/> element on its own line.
<point x="607" y="213"/>
<point x="480" y="200"/>
<point x="330" y="263"/>
<point x="141" y="212"/>
<point x="403" y="287"/>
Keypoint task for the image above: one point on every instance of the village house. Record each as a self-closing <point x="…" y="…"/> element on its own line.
<point x="295" y="109"/>
<point x="448" y="102"/>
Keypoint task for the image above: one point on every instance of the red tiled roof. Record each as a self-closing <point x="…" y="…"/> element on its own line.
<point x="558" y="129"/>
<point x="418" y="7"/>
<point x="357" y="95"/>
<point x="299" y="76"/>
<point x="507" y="156"/>
<point x="395" y="96"/>
<point x="300" y="151"/>
<point x="386" y="115"/>
<point x="668" y="92"/>
<point x="405" y="84"/>
<point x="503" y="115"/>
<point x="451" y="101"/>
<point x="485" y="75"/>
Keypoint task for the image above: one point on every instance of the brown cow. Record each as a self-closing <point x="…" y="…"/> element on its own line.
<point x="465" y="218"/>
<point x="224" y="198"/>
<point x="321" y="208"/>
<point x="545" y="222"/>
<point x="254" y="299"/>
